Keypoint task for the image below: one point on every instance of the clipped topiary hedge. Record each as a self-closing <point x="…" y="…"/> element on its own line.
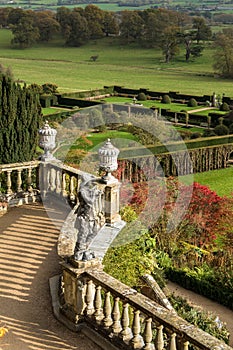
<point x="192" y="102"/>
<point x="224" y="107"/>
<point x="141" y="96"/>
<point x="221" y="130"/>
<point x="166" y="99"/>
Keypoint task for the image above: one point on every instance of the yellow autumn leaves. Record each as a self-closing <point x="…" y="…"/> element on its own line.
<point x="3" y="331"/>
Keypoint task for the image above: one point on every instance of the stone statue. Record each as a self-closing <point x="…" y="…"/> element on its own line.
<point x="86" y="222"/>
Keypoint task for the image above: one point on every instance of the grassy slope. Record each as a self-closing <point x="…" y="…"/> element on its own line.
<point x="71" y="68"/>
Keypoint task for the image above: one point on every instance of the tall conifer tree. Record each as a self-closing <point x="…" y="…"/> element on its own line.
<point x="20" y="116"/>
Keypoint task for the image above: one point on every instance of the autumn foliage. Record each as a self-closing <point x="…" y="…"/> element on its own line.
<point x="198" y="215"/>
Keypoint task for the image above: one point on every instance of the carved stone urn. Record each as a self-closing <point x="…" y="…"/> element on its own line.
<point x="47" y="141"/>
<point x="108" y="161"/>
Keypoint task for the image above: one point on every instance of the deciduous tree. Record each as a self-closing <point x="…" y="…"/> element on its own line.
<point x="131" y="26"/>
<point x="94" y="17"/>
<point x="47" y="24"/>
<point x="223" y="57"/>
<point x="110" y="24"/>
<point x="202" y="30"/>
<point x="78" y="33"/>
<point x="25" y="33"/>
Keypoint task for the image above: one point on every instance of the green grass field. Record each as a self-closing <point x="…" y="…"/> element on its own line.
<point x="71" y="69"/>
<point x="109" y="5"/>
<point x="220" y="181"/>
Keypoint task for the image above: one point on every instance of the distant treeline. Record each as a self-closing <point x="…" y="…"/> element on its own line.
<point x="151" y="28"/>
<point x="160" y="28"/>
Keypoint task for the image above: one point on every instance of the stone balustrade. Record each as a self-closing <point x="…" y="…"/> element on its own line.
<point x="128" y="319"/>
<point x="19" y="182"/>
<point x="27" y="181"/>
<point x="59" y="179"/>
<point x="19" y="179"/>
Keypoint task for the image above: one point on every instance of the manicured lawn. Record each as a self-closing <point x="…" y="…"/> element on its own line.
<point x="70" y="68"/>
<point x="220" y="181"/>
<point x="119" y="139"/>
<point x="206" y="112"/>
<point x="191" y="129"/>
<point x="46" y="111"/>
<point x="176" y="107"/>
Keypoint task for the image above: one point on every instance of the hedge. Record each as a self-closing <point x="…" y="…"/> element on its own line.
<point x="72" y="102"/>
<point x="208" y="288"/>
<point x="158" y="94"/>
<point x="177" y="146"/>
<point x="47" y="101"/>
<point x="58" y="117"/>
<point x="85" y="94"/>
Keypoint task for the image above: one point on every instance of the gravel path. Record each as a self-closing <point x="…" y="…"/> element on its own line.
<point x="28" y="258"/>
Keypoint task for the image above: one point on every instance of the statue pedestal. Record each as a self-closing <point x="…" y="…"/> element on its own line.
<point x="74" y="286"/>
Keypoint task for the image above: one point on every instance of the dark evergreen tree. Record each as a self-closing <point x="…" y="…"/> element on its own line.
<point x="20" y="116"/>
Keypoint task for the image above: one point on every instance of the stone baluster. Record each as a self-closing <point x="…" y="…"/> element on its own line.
<point x="29" y="180"/>
<point x="100" y="202"/>
<point x="159" y="341"/>
<point x="107" y="320"/>
<point x="148" y="334"/>
<point x="116" y="326"/>
<point x="63" y="185"/>
<point x="71" y="188"/>
<point x="98" y="314"/>
<point x="52" y="179"/>
<point x="8" y="182"/>
<point x="90" y="298"/>
<point x="126" y="333"/>
<point x="172" y="342"/>
<point x="41" y="180"/>
<point x="19" y="180"/>
<point x="186" y="346"/>
<point x="136" y="341"/>
<point x="58" y="182"/>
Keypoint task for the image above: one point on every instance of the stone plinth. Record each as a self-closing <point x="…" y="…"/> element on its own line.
<point x="74" y="288"/>
<point x="112" y="202"/>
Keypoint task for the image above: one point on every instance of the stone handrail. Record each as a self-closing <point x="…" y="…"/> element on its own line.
<point x="54" y="177"/>
<point x="41" y="179"/>
<point x="127" y="318"/>
<point x="19" y="182"/>
<point x="59" y="179"/>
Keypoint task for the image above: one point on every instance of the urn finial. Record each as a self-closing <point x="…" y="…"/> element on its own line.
<point x="47" y="141"/>
<point x="108" y="161"/>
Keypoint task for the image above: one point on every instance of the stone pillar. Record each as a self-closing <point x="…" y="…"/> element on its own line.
<point x="112" y="202"/>
<point x="74" y="288"/>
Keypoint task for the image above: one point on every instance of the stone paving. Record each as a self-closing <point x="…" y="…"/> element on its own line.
<point x="28" y="258"/>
